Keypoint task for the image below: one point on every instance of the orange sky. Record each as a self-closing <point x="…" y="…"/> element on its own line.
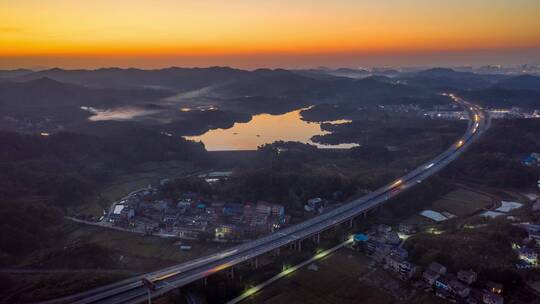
<point x="99" y="32"/>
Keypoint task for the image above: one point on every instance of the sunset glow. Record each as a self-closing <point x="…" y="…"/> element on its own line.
<point x="107" y="29"/>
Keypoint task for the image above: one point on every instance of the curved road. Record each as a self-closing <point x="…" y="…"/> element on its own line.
<point x="133" y="291"/>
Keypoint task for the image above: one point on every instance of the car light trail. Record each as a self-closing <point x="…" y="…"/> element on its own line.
<point x="397" y="183"/>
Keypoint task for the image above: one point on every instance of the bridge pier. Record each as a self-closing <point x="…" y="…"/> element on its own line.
<point x="299" y="246"/>
<point x="317" y="238"/>
<point x="292" y="245"/>
<point x="230" y="273"/>
<point x="205" y="282"/>
<point x="351" y="223"/>
<point x="255" y="263"/>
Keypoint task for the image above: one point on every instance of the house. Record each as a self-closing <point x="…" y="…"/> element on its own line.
<point x="224" y="231"/>
<point x="163" y="205"/>
<point x="531" y="159"/>
<point x="476" y="296"/>
<point x="438" y="268"/>
<point x="493" y="287"/>
<point x="430" y="276"/>
<point x="399" y="265"/>
<point x="442" y="283"/>
<point x="459" y="288"/>
<point x="407" y="270"/>
<point x="528" y="255"/>
<point x="169" y="217"/>
<point x="117" y="211"/>
<point x="393" y="261"/>
<point x="263" y="209"/>
<point x="383" y="229"/>
<point x="407" y="228"/>
<point x="467" y="276"/>
<point x="371" y="245"/>
<point x="257" y="220"/>
<point x="402" y="252"/>
<point x="443" y="293"/>
<point x="492" y="298"/>
<point x="380" y="253"/>
<point x="392" y="237"/>
<point x="184" y="203"/>
<point x="231" y="209"/>
<point x="534" y="235"/>
<point x="189" y="232"/>
<point x="278" y="210"/>
<point x="313" y="204"/>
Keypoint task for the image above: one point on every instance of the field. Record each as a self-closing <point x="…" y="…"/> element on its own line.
<point x="336" y="281"/>
<point x="83" y="245"/>
<point x="462" y="202"/>
<point x="344" y="277"/>
<point x="124" y="183"/>
<point x="25" y="288"/>
<point x="88" y="256"/>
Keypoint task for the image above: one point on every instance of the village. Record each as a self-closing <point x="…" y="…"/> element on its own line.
<point x="198" y="217"/>
<point x="385" y="246"/>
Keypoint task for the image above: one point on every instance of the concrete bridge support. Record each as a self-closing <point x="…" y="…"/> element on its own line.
<point x="316" y="238"/>
<point x="292" y="245"/>
<point x="230" y="273"/>
<point x="255" y="263"/>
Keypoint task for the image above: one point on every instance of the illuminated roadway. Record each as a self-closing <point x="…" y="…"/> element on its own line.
<point x="133" y="291"/>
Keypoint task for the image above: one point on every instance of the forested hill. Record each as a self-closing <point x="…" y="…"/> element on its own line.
<point x="66" y="165"/>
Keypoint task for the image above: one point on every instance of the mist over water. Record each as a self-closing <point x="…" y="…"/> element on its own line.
<point x="118" y="114"/>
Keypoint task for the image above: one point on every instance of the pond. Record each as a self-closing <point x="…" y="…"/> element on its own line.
<point x="264" y="129"/>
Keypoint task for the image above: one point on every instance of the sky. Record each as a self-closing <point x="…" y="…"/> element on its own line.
<point x="267" y="33"/>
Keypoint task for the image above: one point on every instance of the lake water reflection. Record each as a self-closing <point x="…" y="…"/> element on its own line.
<point x="263" y="129"/>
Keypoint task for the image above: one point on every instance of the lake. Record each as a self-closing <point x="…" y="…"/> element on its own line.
<point x="264" y="129"/>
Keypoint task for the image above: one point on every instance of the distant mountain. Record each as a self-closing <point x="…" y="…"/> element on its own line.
<point x="441" y="72"/>
<point x="176" y="79"/>
<point x="45" y="104"/>
<point x="222" y="82"/>
<point x="524" y="82"/>
<point x="14" y="73"/>
<point x="48" y="93"/>
<point x="501" y="97"/>
<point x="448" y="79"/>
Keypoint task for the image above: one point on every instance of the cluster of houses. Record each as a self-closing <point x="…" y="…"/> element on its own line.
<point x="527" y="251"/>
<point x="514" y="112"/>
<point x="449" y="115"/>
<point x="193" y="215"/>
<point x="527" y="257"/>
<point x="461" y="287"/>
<point x="383" y="245"/>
